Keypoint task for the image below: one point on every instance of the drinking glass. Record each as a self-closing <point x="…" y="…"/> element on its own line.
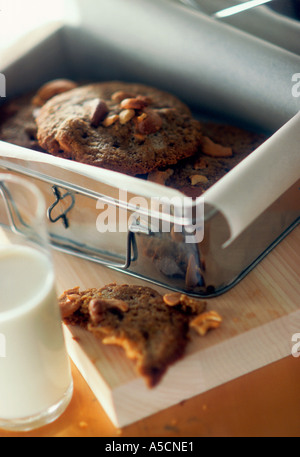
<point x="35" y="377"/>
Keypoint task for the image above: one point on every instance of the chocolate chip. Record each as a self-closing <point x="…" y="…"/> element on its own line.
<point x="99" y="113"/>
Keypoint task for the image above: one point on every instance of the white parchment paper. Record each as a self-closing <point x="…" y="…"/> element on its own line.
<point x="259" y="180"/>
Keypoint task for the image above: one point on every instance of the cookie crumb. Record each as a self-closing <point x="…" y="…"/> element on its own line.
<point x="215" y="150"/>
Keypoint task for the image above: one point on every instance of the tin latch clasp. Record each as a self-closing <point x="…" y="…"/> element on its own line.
<point x="59" y="197"/>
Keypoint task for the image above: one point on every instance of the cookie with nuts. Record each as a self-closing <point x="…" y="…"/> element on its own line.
<point x="126" y="127"/>
<point x="153" y="329"/>
<point x="17" y="116"/>
<point x="222" y="147"/>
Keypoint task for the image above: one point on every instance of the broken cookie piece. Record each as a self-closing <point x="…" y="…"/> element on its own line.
<point x="151" y="328"/>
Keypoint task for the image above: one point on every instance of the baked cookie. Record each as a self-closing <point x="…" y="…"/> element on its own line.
<point x="151" y="328"/>
<point x="17" y="116"/>
<point x="130" y="128"/>
<point x="222" y="148"/>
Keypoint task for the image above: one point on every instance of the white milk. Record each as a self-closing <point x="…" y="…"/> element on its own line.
<point x="35" y="372"/>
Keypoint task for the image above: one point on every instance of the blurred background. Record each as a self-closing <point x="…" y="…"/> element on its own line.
<point x="18" y="17"/>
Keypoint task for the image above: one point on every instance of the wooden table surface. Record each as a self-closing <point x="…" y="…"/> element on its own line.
<point x="264" y="402"/>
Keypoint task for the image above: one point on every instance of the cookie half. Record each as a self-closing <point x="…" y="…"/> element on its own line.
<point x="151" y="328"/>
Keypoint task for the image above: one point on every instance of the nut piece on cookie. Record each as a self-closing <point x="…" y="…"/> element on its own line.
<point x="120" y="95"/>
<point x="205" y="322"/>
<point x="52" y="88"/>
<point x="137" y="103"/>
<point x="195" y="305"/>
<point x="69" y="302"/>
<point x="215" y="150"/>
<point x="110" y="120"/>
<point x="198" y="179"/>
<point x="126" y="115"/>
<point x="172" y="299"/>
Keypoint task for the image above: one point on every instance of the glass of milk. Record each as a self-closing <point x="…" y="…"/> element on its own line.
<point x="35" y="378"/>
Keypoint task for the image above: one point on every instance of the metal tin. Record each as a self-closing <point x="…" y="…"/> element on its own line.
<point x="77" y="195"/>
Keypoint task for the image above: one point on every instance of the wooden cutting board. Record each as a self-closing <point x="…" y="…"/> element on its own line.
<point x="260" y="316"/>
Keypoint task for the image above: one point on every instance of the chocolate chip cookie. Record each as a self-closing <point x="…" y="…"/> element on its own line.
<point x="150" y="327"/>
<point x="17" y="116"/>
<point x="126" y="127"/>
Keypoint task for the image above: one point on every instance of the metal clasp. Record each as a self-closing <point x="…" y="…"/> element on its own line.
<point x="75" y="247"/>
<point x="59" y="197"/>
